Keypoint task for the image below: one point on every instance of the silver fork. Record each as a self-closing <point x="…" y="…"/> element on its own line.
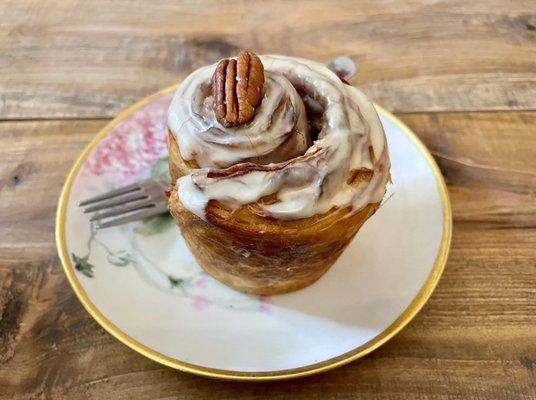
<point x="127" y="204"/>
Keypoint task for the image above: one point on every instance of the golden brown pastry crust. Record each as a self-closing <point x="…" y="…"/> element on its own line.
<point x="257" y="254"/>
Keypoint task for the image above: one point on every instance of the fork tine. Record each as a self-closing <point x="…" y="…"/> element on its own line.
<point x="116" y="201"/>
<point x="112" y="193"/>
<point x="122" y="209"/>
<point x="155" y="209"/>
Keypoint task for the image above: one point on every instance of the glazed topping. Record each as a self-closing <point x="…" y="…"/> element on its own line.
<point x="271" y="154"/>
<point x="277" y="132"/>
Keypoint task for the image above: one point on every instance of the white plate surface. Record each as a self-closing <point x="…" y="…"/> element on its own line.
<point x="143" y="285"/>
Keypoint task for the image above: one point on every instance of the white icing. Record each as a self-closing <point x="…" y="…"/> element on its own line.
<point x="273" y="135"/>
<point x="306" y="185"/>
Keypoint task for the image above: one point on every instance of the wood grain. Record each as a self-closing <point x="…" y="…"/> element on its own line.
<point x="474" y="339"/>
<point x="462" y="75"/>
<point x="76" y="59"/>
<point x="489" y="162"/>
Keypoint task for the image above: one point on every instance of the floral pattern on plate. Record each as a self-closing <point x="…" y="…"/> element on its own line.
<point x="133" y="150"/>
<point x="140" y="282"/>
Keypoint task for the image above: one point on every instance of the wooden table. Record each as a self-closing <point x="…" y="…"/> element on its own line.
<point x="462" y="75"/>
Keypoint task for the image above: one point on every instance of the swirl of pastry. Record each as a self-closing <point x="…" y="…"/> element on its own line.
<point x="261" y="208"/>
<point x="267" y="156"/>
<point x="278" y="131"/>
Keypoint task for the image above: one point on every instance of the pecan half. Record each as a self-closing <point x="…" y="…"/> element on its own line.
<point x="236" y="89"/>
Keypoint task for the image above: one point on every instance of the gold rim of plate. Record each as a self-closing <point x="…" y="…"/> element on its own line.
<point x="409" y="313"/>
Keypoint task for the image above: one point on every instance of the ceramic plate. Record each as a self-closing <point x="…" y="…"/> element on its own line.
<point x="141" y="283"/>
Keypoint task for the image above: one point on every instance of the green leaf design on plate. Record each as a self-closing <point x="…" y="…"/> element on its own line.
<point x="155" y="225"/>
<point x="174" y="282"/>
<point x="119" y="259"/>
<point x="160" y="169"/>
<point x="82" y="265"/>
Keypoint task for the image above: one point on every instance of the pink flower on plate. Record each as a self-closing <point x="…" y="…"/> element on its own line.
<point x="265" y="302"/>
<point x="200" y="302"/>
<point x="202" y="281"/>
<point x="132" y="146"/>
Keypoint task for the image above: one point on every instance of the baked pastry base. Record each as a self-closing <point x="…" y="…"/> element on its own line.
<point x="256" y="254"/>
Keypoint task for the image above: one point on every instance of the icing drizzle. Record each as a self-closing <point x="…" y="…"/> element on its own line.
<point x="271" y="154"/>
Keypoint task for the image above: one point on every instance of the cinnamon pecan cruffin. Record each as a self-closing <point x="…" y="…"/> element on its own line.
<point x="236" y="89"/>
